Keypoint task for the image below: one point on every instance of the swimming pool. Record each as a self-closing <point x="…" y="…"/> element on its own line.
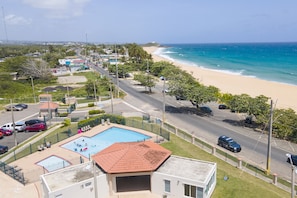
<point x="88" y="146"/>
<point x="53" y="163"/>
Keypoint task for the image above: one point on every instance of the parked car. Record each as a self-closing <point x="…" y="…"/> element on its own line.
<point x="229" y="143"/>
<point x="206" y="110"/>
<point x="24" y="106"/>
<point x="3" y="149"/>
<point x="1" y="135"/>
<point x="33" y="121"/>
<point x="180" y="97"/>
<point x="223" y="106"/>
<point x="6" y="132"/>
<point x="293" y="158"/>
<point x="37" y="127"/>
<point x="19" y="126"/>
<point x="14" y="108"/>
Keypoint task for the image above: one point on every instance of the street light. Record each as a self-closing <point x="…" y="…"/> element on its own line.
<point x="269" y="140"/>
<point x="13" y="124"/>
<point x="293" y="174"/>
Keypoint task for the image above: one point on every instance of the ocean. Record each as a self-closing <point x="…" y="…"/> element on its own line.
<point x="268" y="61"/>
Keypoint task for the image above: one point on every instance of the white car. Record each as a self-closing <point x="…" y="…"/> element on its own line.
<point x="19" y="126"/>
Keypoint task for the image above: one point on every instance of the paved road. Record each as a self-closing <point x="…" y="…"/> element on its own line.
<point x="209" y="128"/>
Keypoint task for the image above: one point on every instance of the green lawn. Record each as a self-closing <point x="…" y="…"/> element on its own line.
<point x="240" y="184"/>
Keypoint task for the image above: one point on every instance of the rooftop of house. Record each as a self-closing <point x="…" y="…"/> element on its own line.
<point x="128" y="157"/>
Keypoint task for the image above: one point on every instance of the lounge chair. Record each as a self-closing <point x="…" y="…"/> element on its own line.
<point x="102" y="122"/>
<point x="39" y="148"/>
<point x="48" y="144"/>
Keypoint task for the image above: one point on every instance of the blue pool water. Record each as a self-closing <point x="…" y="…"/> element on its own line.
<point x="53" y="163"/>
<point x="88" y="146"/>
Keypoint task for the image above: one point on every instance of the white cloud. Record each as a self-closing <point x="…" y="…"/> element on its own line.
<point x="59" y="8"/>
<point x="16" y="20"/>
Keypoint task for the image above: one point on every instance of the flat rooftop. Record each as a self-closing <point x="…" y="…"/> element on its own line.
<point x="187" y="168"/>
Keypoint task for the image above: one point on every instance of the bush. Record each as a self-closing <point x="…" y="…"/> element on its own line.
<point x="91" y="104"/>
<point x="96" y="111"/>
<point x="63" y="114"/>
<point x="66" y="122"/>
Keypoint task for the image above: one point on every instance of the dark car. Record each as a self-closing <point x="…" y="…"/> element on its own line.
<point x="24" y="106"/>
<point x="36" y="127"/>
<point x="229" y="143"/>
<point x="180" y="97"/>
<point x="206" y="110"/>
<point x="3" y="149"/>
<point x="33" y="121"/>
<point x="293" y="158"/>
<point x="222" y="106"/>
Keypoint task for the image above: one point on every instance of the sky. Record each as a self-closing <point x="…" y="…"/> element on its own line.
<point x="140" y="21"/>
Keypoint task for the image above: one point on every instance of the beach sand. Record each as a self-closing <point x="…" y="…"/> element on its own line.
<point x="284" y="96"/>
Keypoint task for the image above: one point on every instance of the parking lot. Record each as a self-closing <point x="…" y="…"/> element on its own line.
<point x="7" y="116"/>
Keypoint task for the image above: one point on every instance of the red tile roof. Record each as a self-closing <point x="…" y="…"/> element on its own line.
<point x="131" y="157"/>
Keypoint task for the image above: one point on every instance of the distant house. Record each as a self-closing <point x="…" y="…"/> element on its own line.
<point x="133" y="169"/>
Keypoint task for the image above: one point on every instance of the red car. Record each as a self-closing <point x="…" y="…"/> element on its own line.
<point x="36" y="127"/>
<point x="1" y="135"/>
<point x="5" y="132"/>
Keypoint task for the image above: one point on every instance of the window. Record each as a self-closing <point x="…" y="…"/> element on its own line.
<point x="167" y="185"/>
<point x="190" y="191"/>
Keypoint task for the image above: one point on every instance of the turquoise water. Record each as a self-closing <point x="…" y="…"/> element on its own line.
<point x="53" y="163"/>
<point x="88" y="146"/>
<point x="268" y="61"/>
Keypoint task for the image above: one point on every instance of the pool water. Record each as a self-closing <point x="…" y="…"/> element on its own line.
<point x="88" y="146"/>
<point x="53" y="163"/>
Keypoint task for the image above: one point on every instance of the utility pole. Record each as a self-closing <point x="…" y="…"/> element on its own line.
<point x="111" y="98"/>
<point x="269" y="139"/>
<point x="163" y="112"/>
<point x="32" y="83"/>
<point x="117" y="72"/>
<point x="95" y="95"/>
<point x="13" y="124"/>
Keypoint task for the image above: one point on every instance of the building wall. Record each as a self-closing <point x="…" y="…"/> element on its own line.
<point x="177" y="184"/>
<point x="82" y="189"/>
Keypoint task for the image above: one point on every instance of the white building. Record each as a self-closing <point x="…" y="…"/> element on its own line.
<point x="134" y="169"/>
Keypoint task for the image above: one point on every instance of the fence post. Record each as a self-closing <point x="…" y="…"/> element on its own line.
<point x="57" y="137"/>
<point x="30" y="148"/>
<point x="239" y="163"/>
<point x="213" y="150"/>
<point x="275" y="179"/>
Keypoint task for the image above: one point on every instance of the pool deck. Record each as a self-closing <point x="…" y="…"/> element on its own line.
<point x="30" y="167"/>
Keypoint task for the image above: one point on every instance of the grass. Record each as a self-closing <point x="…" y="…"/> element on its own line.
<point x="239" y="183"/>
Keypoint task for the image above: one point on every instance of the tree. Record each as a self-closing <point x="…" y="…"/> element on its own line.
<point x="202" y="94"/>
<point x="145" y="80"/>
<point x="37" y="69"/>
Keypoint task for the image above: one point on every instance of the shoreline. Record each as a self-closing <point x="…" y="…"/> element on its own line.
<point x="283" y="95"/>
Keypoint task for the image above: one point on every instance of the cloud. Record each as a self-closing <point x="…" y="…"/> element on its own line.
<point x="59" y="8"/>
<point x="16" y="20"/>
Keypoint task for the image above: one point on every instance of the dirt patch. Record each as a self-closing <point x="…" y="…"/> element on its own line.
<point x="71" y="79"/>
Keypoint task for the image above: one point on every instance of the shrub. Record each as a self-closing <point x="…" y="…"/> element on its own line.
<point x="63" y="114"/>
<point x="96" y="111"/>
<point x="91" y="104"/>
<point x="66" y="122"/>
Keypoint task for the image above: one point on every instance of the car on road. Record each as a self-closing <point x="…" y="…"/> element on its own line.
<point x="6" y="132"/>
<point x="179" y="97"/>
<point x="229" y="143"/>
<point x="1" y="135"/>
<point x="3" y="149"/>
<point x="33" y="121"/>
<point x="37" y="127"/>
<point x="206" y="110"/>
<point x="292" y="158"/>
<point x="24" y="106"/>
<point x="14" y="108"/>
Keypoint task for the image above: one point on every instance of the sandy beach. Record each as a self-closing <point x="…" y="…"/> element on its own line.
<point x="284" y="96"/>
